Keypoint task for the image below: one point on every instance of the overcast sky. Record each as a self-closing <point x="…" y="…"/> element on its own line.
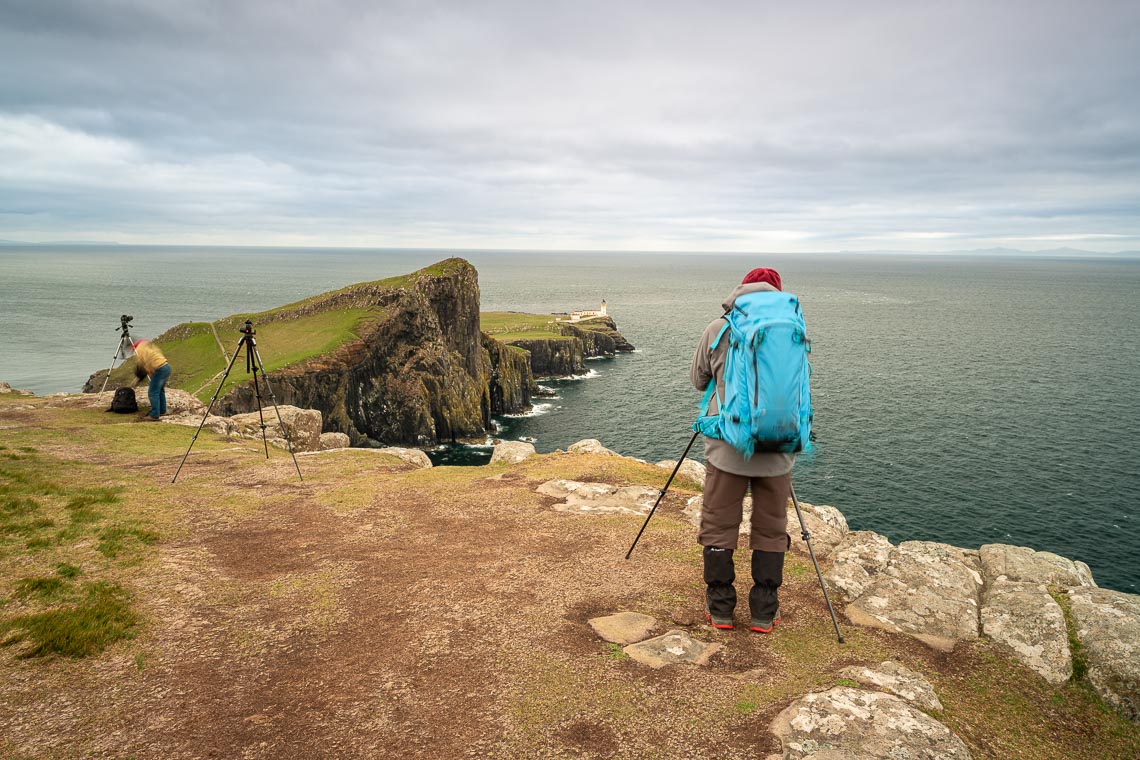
<point x="730" y="126"/>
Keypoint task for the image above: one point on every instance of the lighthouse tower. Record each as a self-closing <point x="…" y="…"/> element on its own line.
<point x="602" y="311"/>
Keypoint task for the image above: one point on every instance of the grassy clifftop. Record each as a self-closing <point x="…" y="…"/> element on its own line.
<point x="244" y="613"/>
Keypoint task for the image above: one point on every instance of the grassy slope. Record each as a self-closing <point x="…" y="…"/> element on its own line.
<point x="512" y="325"/>
<point x="271" y="604"/>
<point x="197" y="359"/>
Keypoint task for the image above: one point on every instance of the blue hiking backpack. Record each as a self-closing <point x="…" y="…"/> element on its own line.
<point x="767" y="377"/>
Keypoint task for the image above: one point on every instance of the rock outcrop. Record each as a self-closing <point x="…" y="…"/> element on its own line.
<point x="1108" y="626"/>
<point x="898" y="680"/>
<point x="599" y="498"/>
<point x="565" y="356"/>
<point x="851" y="723"/>
<point x="1024" y="619"/>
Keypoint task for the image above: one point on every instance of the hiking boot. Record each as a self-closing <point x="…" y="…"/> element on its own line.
<point x="720" y="594"/>
<point x="764" y="598"/>
<point x="765" y="625"/>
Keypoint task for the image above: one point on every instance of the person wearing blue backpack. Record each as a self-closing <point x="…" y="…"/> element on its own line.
<point x="752" y="365"/>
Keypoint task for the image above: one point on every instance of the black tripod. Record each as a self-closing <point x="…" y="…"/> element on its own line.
<point x="252" y="364"/>
<point x="124" y="349"/>
<point x="803" y="528"/>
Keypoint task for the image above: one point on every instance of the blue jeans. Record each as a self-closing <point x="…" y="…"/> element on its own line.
<point x="157" y="391"/>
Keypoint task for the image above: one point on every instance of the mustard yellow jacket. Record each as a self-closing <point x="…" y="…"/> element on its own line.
<point x="149" y="357"/>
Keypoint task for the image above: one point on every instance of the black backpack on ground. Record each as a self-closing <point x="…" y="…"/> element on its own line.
<point x="124" y="401"/>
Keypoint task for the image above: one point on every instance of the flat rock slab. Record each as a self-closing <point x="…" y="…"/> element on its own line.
<point x="927" y="590"/>
<point x="1108" y="626"/>
<point x="852" y="723"/>
<point x="623" y="627"/>
<point x="511" y="452"/>
<point x="898" y="680"/>
<point x="1020" y="564"/>
<point x="600" y="498"/>
<point x="1025" y="620"/>
<point x="672" y="648"/>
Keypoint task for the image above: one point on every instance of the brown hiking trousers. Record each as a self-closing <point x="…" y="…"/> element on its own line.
<point x="723" y="510"/>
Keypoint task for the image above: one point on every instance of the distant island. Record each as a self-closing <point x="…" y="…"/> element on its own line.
<point x="407" y="360"/>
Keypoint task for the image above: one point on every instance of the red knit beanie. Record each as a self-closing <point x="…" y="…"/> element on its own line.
<point x="763" y="274"/>
<point x="139" y="342"/>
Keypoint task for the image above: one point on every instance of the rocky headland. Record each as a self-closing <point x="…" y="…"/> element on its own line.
<point x="396" y="361"/>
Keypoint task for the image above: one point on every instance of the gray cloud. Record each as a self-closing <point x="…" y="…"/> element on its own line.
<point x="661" y="125"/>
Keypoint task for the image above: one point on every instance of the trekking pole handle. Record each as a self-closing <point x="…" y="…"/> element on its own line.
<point x="662" y="495"/>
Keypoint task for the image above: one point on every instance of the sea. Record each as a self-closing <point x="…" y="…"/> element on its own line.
<point x="968" y="399"/>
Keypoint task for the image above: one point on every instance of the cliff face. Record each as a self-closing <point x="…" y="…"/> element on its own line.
<point x="421" y="373"/>
<point x="563" y="356"/>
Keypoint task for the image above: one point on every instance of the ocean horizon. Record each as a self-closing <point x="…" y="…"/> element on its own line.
<point x="965" y="398"/>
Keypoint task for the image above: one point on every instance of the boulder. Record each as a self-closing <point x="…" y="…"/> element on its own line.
<point x="898" y="680"/>
<point x="851" y="723"/>
<point x="591" y="446"/>
<point x="1108" y="626"/>
<point x="302" y="425"/>
<point x="1024" y="619"/>
<point x="672" y="648"/>
<point x="1020" y="564"/>
<point x="331" y="441"/>
<point x="623" y="627"/>
<point x="861" y="555"/>
<point x="6" y="388"/>
<point x="690" y="468"/>
<point x="927" y="590"/>
<point x="599" y="498"/>
<point x="511" y="452"/>
<point x="411" y="456"/>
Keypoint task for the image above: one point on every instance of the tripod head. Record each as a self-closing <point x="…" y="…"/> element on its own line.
<point x="248" y="329"/>
<point x="125" y="324"/>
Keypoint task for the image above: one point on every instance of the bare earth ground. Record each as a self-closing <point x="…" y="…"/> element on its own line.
<point x="374" y="610"/>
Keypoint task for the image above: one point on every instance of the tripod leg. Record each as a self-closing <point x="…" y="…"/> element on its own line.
<point x="273" y="400"/>
<point x="668" y="482"/>
<point x="818" y="574"/>
<point x="118" y="352"/>
<point x="207" y="414"/>
<point x="257" y="395"/>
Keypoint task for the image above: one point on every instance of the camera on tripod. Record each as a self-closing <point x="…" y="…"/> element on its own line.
<point x="125" y="322"/>
<point x="248" y="329"/>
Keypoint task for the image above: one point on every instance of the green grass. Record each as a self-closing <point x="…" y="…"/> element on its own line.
<point x="101" y="616"/>
<point x="512" y="325"/>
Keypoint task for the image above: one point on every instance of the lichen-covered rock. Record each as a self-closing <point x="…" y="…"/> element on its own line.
<point x="599" y="498"/>
<point x="1108" y="626"/>
<point x="1020" y="564"/>
<point x="672" y="648"/>
<point x="331" y="441"/>
<point x="898" y="680"/>
<point x="855" y="561"/>
<point x="623" y="627"/>
<point x="852" y="723"/>
<point x="1024" y="619"/>
<point x="927" y="590"/>
<point x="826" y="525"/>
<point x="690" y="468"/>
<point x="591" y="446"/>
<point x="411" y="456"/>
<point x="511" y="452"/>
<point x="302" y="425"/>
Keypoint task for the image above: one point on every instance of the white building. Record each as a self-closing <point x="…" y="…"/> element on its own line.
<point x="577" y="316"/>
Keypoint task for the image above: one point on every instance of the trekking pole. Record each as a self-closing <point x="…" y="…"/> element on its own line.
<point x="662" y="495"/>
<point x="807" y="540"/>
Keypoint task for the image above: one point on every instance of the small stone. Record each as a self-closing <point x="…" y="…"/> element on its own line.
<point x="623" y="627"/>
<point x="683" y="617"/>
<point x="672" y="648"/>
<point x="898" y="680"/>
<point x="511" y="452"/>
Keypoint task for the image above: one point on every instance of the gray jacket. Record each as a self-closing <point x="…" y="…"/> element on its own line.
<point x="709" y="364"/>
